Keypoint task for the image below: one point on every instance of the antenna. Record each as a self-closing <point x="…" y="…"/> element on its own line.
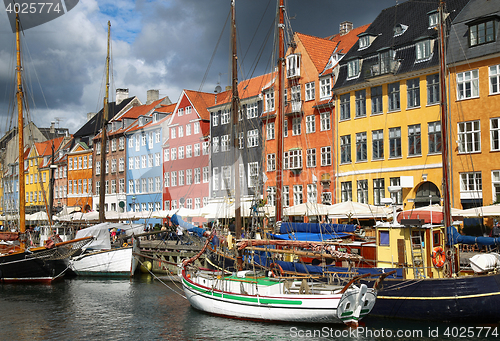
<point x="218" y="88"/>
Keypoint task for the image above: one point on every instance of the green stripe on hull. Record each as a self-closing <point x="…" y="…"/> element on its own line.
<point x="243" y="298"/>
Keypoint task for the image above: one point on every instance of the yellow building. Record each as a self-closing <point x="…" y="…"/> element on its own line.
<point x="474" y="97"/>
<point x="388" y="135"/>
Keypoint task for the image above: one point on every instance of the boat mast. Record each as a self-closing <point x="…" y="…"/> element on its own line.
<point x="102" y="188"/>
<point x="280" y="115"/>
<point x="20" y="128"/>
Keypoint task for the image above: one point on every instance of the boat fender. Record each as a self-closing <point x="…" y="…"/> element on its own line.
<point x="438" y="257"/>
<point x="125" y="245"/>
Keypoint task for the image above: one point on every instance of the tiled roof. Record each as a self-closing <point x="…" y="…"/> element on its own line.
<point x="166" y="108"/>
<point x="318" y="49"/>
<point x="139" y="110"/>
<point x="45" y="148"/>
<point x="247" y="88"/>
<point x="203" y="100"/>
<point x="413" y="14"/>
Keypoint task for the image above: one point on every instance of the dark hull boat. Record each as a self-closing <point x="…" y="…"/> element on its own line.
<point x="41" y="264"/>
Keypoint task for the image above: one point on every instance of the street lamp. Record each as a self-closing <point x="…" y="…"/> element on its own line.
<point x="133" y="203"/>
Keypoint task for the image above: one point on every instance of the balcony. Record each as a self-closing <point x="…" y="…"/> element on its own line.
<point x="388" y="68"/>
<point x="293" y="73"/>
<point x="293" y="107"/>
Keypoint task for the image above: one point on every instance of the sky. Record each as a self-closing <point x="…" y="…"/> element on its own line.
<point x="167" y="45"/>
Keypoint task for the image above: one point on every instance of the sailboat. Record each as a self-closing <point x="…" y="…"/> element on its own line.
<point x="32" y="264"/>
<point x="100" y="258"/>
<point x="250" y="294"/>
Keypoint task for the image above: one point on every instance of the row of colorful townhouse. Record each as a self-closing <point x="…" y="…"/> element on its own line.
<point x="361" y="115"/>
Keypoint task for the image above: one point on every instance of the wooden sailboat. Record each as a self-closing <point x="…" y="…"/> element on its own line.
<point x="250" y="294"/>
<point x="39" y="264"/>
<point x="101" y="259"/>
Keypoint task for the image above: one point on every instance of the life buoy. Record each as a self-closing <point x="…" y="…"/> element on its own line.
<point x="125" y="245"/>
<point x="438" y="257"/>
<point x="278" y="267"/>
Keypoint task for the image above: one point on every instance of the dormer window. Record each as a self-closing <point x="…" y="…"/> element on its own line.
<point x="353" y="68"/>
<point x="155" y="117"/>
<point x="433" y="19"/>
<point x="293" y="66"/>
<point x="142" y="121"/>
<point x="423" y="50"/>
<point x="481" y="32"/>
<point x="399" y="29"/>
<point x="365" y="40"/>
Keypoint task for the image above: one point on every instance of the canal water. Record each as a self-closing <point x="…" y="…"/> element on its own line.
<point x="144" y="308"/>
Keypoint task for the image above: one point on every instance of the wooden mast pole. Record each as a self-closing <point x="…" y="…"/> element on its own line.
<point x="235" y="105"/>
<point x="102" y="188"/>
<point x="280" y="115"/>
<point x="20" y="125"/>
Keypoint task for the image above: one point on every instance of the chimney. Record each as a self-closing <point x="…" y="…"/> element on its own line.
<point x="121" y="94"/>
<point x="345" y="27"/>
<point x="152" y="95"/>
<point x="52" y="127"/>
<point x="90" y="115"/>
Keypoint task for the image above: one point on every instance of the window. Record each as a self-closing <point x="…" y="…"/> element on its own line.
<point x="131" y="186"/>
<point x="297" y="194"/>
<point x="215" y="179"/>
<point x="121" y="185"/>
<point x="197" y="149"/>
<point x="181" y="153"/>
<point x="469" y="137"/>
<point x="482" y="33"/>
<point x="113" y="145"/>
<point x="376" y="96"/>
<point x="97" y="148"/>
<point x="310" y="91"/>
<point x="173" y="179"/>
<point x="253" y="138"/>
<point x="353" y="68"/>
<point x="205" y="174"/>
<point x="270" y="131"/>
<point x="360" y="103"/>
<point x="215" y="144"/>
<point x="173" y="133"/>
<point x="434" y="129"/>
<point x="495" y="181"/>
<point x="383" y="237"/>
<point x="137" y="162"/>
<point x="296" y="126"/>
<point x="113" y="186"/>
<point x="180" y="112"/>
<point x="326" y="198"/>
<point x="157" y="184"/>
<point x="326" y="156"/>
<point x="361" y="147"/>
<point x="312" y="193"/>
<point x="399" y="29"/>
<point x="271" y="162"/>
<point x="121" y="165"/>
<point x="226" y="177"/>
<point x="364" y="42"/>
<point x="70" y="163"/>
<point x="157" y="136"/>
<point x="271" y="196"/>
<point x="311" y="158"/>
<point x="188" y="129"/>
<point x="467" y="84"/>
<point x="143" y="161"/>
<point x="325" y="87"/>
<point x="345" y="149"/>
<point x="196" y="127"/>
<point x="225" y="117"/>
<point x="494" y="79"/>
<point x="285" y="127"/>
<point x="397" y="197"/>
<point x="378" y="191"/>
<point x="197" y="175"/>
<point x="433" y="19"/>
<point x="378" y="144"/>
<point x="362" y="191"/>
<point x="470" y="182"/>
<point x="189" y="109"/>
<point x="393" y="96"/>
<point x="84" y="164"/>
<point x="113" y="166"/>
<point x="286" y="196"/>
<point x="325" y="121"/>
<point x="414" y="140"/>
<point x="225" y="143"/>
<point x="253" y="174"/>
<point x="98" y="167"/>
<point x="215" y="119"/>
<point x="131" y="142"/>
<point x="189" y="151"/>
<point x="423" y="50"/>
<point x="346" y="191"/>
<point x="293" y="159"/>
<point x="241" y="140"/>
<point x="433" y="89"/>
<point x="495" y="133"/>
<point x="137" y="186"/>
<point x="345" y="110"/>
<point x="205" y="148"/>
<point x="413" y="92"/>
<point x="310" y="124"/>
<point x="181" y="178"/>
<point x="252" y="111"/>
<point x="293" y="65"/>
<point x="166" y="179"/>
<point x="157" y="159"/>
<point x="395" y="142"/>
<point x="143" y="139"/>
<point x="144" y="185"/>
<point x="270" y="100"/>
<point x="181" y="131"/>
<point x="386" y="62"/>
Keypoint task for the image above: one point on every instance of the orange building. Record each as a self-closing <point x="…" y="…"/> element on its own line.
<point x="79" y="172"/>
